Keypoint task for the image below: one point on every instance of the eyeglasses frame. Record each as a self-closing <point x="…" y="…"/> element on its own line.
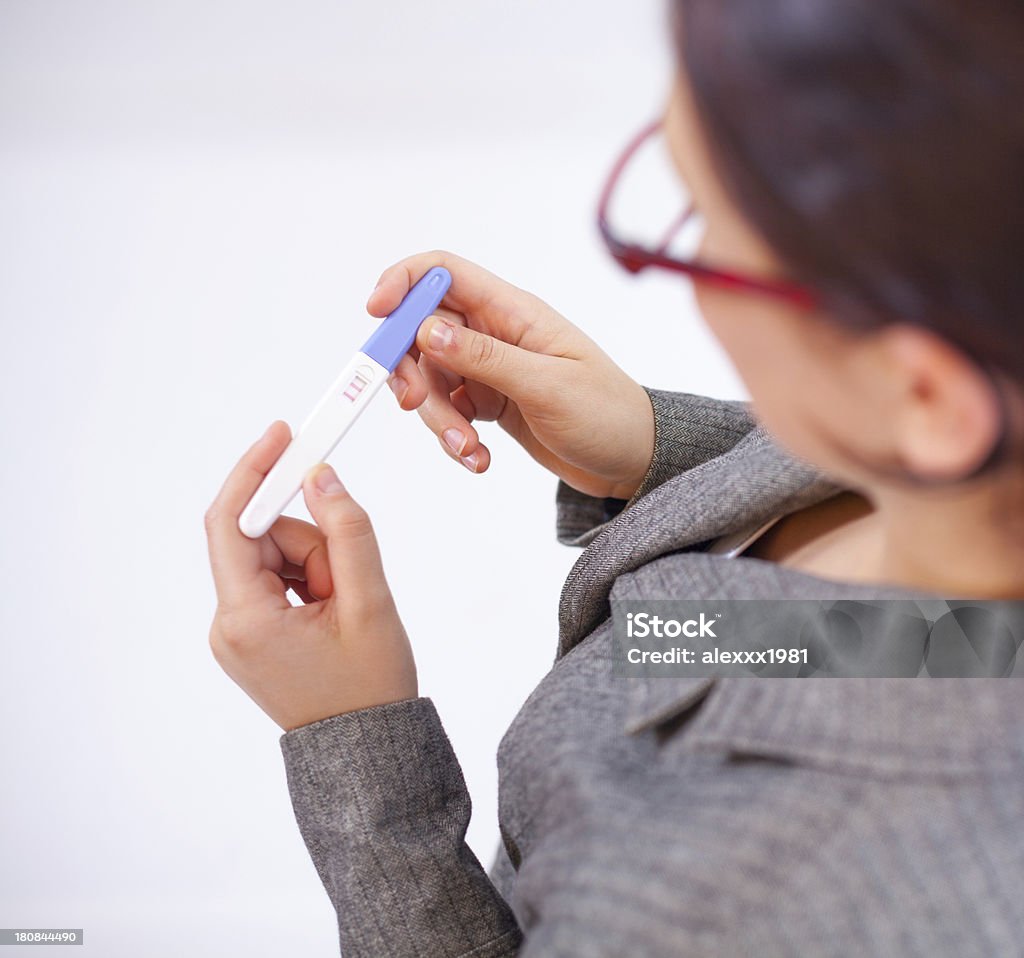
<point x="635" y="258"/>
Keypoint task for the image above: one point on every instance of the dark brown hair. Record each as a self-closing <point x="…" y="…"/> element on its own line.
<point x="879" y="149"/>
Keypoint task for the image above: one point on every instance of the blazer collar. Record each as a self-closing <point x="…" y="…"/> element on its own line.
<point x="753" y="481"/>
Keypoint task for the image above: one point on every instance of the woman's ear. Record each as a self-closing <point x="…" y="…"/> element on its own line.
<point x="947" y="414"/>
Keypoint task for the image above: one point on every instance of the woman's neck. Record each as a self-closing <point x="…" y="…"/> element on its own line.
<point x="950" y="545"/>
<point x="961" y="545"/>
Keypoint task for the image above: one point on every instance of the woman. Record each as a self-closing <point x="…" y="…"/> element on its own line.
<point x="858" y="168"/>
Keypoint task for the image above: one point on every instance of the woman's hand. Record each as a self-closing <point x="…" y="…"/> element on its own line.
<point x="345" y="648"/>
<point x="496" y="352"/>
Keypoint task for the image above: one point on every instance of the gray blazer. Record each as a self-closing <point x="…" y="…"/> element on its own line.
<point x="681" y="816"/>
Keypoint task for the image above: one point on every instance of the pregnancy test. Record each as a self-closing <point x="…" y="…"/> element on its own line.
<point x="343" y="403"/>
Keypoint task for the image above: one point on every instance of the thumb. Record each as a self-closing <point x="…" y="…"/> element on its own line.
<point x="477" y="356"/>
<point x="352" y="551"/>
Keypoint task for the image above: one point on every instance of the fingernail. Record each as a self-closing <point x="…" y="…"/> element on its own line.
<point x="471" y="461"/>
<point x="441" y="335"/>
<point x="327" y="481"/>
<point x="266" y="432"/>
<point x="454" y="439"/>
<point x="398" y="386"/>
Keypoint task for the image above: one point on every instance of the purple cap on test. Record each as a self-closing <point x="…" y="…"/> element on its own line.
<point x="393" y="337"/>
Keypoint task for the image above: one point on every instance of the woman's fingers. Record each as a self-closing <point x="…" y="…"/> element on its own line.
<point x="440" y="397"/>
<point x="451" y="378"/>
<point x="464" y="404"/>
<point x="448" y="414"/>
<point x="408" y="384"/>
<point x="303" y="548"/>
<point x="488" y="343"/>
<point x="477" y="356"/>
<point x="472" y="287"/>
<point x="352" y="551"/>
<point x="496" y="306"/>
<point x="479" y="460"/>
<point x="488" y="404"/>
<point x="236" y="560"/>
<point x="451" y="424"/>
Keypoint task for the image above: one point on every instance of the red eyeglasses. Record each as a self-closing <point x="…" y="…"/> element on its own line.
<point x="636" y="257"/>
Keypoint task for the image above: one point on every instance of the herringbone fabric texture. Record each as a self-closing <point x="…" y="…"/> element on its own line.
<point x="678" y="817"/>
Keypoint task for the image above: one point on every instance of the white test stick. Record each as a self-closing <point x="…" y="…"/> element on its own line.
<point x="343" y="403"/>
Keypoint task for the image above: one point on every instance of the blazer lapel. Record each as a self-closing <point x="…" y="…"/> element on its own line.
<point x="753" y="481"/>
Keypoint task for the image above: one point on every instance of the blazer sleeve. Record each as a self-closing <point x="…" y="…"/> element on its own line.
<point x="383" y="808"/>
<point x="688" y="430"/>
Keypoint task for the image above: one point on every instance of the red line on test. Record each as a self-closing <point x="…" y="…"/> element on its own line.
<point x="355" y="388"/>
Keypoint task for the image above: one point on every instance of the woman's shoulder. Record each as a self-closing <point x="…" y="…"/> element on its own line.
<point x="753" y="481"/>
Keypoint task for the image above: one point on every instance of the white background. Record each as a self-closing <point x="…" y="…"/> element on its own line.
<point x="196" y="199"/>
